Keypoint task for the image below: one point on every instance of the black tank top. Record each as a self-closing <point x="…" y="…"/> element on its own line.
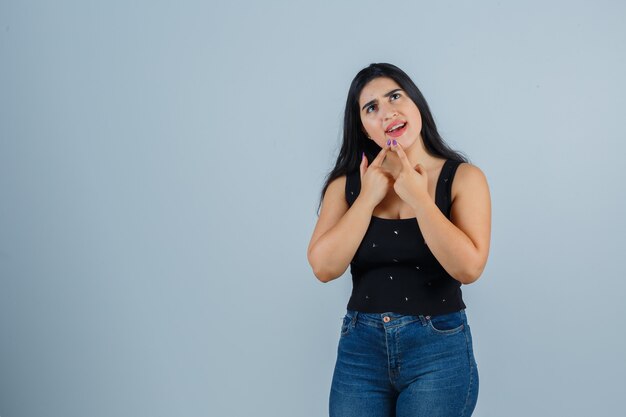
<point x="393" y="270"/>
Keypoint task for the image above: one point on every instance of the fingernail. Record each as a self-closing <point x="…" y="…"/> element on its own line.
<point x="394" y="142"/>
<point x="388" y="142"/>
<point x="363" y="155"/>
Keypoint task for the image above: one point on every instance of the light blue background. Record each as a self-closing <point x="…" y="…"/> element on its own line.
<point x="160" y="167"/>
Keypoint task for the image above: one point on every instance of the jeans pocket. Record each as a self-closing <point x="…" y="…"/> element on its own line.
<point x="448" y="324"/>
<point x="346" y="325"/>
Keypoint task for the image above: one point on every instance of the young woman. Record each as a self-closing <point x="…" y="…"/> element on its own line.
<point x="412" y="219"/>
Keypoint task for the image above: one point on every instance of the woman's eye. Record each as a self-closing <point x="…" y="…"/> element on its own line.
<point x="395" y="96"/>
<point x="370" y="108"/>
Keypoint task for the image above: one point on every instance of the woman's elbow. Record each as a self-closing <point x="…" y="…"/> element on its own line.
<point x="469" y="275"/>
<point x="323" y="273"/>
<point x="320" y="270"/>
<point x="322" y="277"/>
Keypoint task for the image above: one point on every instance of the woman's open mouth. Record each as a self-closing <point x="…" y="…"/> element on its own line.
<point x="397" y="130"/>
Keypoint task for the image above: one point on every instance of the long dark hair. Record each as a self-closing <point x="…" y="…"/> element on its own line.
<point x="354" y="139"/>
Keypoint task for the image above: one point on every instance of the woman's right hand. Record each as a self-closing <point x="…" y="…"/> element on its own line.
<point x="375" y="180"/>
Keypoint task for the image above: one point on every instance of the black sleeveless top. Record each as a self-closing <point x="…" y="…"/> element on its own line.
<point x="393" y="270"/>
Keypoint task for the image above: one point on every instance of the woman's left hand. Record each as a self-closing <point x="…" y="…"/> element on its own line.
<point x="412" y="183"/>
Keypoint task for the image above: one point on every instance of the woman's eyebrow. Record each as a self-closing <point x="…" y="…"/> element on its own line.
<point x="386" y="95"/>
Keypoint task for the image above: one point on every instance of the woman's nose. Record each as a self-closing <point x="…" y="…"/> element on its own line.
<point x="390" y="113"/>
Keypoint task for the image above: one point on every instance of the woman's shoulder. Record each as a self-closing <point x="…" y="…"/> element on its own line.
<point x="468" y="178"/>
<point x="336" y="188"/>
<point x="334" y="202"/>
<point x="338" y="182"/>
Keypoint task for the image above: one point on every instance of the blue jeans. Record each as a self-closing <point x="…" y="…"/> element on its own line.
<point x="404" y="366"/>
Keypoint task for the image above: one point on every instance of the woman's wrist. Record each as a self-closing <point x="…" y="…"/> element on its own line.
<point x="365" y="204"/>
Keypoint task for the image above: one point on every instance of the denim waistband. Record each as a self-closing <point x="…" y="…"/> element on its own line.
<point x="389" y="319"/>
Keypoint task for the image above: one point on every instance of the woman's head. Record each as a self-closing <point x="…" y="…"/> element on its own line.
<point x="387" y="112"/>
<point x="355" y="137"/>
<point x="368" y="84"/>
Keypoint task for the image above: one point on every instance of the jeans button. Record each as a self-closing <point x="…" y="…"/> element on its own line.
<point x="386" y="319"/>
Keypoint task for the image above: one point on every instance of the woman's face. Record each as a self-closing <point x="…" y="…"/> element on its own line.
<point x="387" y="112"/>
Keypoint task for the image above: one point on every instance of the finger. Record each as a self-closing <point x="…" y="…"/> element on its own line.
<point x="363" y="166"/>
<point x="380" y="157"/>
<point x="397" y="148"/>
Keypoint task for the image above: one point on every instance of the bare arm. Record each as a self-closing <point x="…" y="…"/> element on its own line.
<point x="338" y="233"/>
<point x="340" y="230"/>
<point x="461" y="244"/>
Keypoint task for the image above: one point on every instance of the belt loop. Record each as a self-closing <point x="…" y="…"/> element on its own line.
<point x="424" y="320"/>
